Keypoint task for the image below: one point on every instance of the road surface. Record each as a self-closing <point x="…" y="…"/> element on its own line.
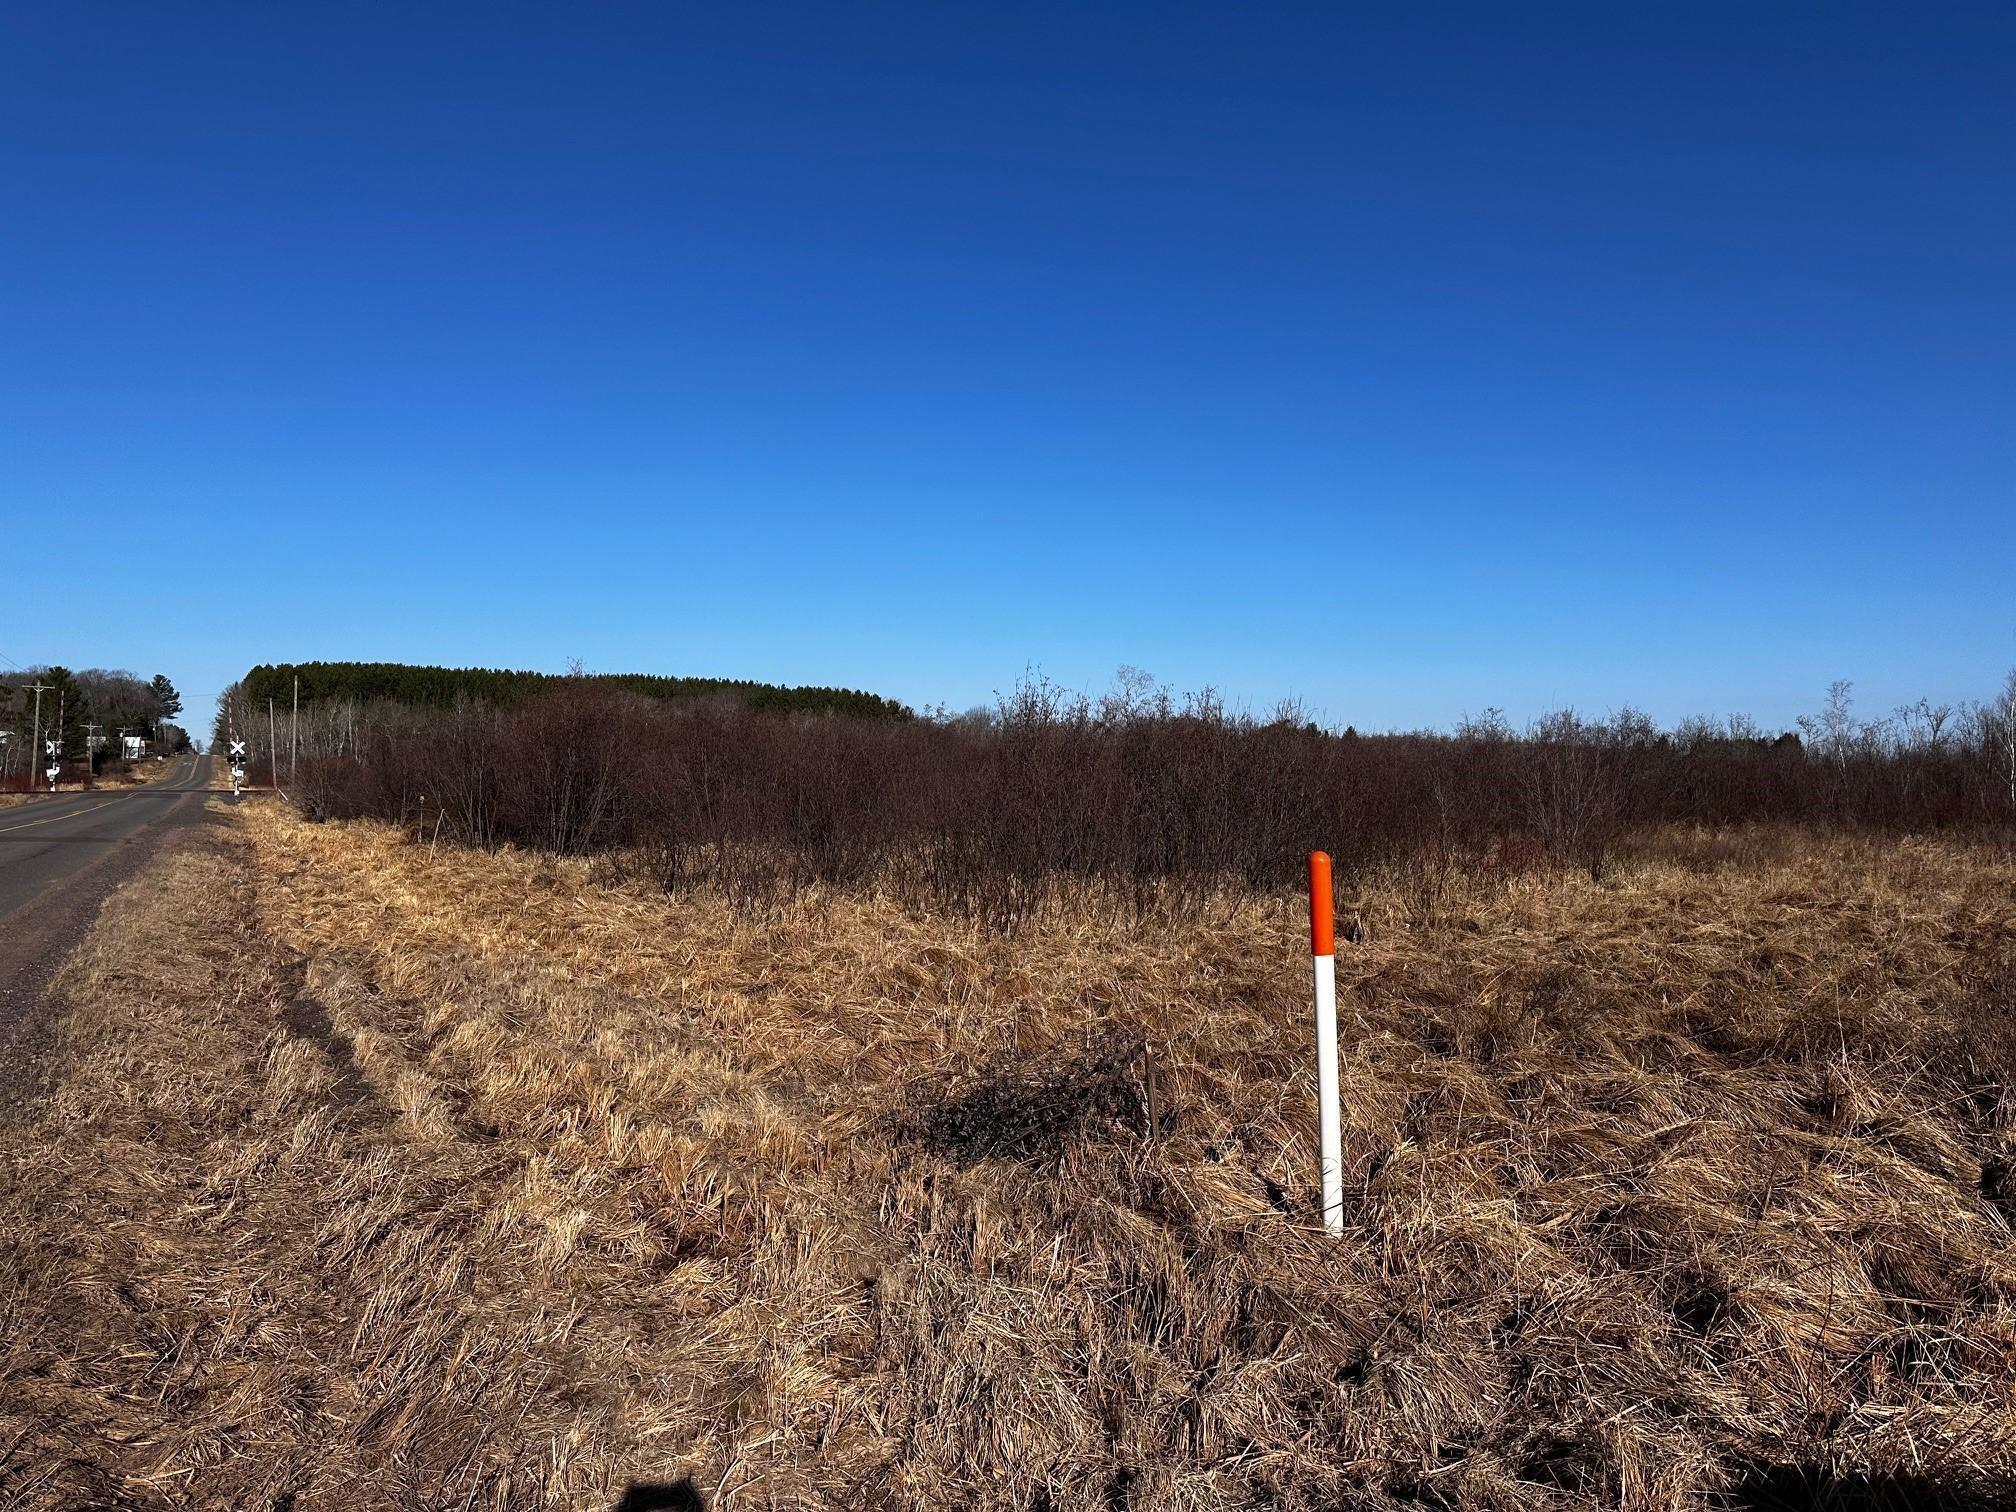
<point x="47" y="839"/>
<point x="59" y="857"/>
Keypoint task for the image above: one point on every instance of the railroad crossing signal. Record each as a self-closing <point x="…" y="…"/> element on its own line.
<point x="50" y="772"/>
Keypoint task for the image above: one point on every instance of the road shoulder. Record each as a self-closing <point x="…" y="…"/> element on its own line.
<point x="37" y="937"/>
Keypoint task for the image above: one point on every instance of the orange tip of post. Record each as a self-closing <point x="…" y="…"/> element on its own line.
<point x="1322" y="910"/>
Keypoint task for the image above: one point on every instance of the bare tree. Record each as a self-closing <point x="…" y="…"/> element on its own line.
<point x="1832" y="731"/>
<point x="1923" y="723"/>
<point x="2004" y="709"/>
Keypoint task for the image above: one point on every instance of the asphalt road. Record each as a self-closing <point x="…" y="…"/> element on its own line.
<point x="47" y="839"/>
<point x="59" y="857"/>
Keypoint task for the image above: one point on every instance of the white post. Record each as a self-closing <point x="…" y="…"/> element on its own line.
<point x="1323" y="953"/>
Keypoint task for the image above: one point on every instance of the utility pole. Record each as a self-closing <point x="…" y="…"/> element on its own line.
<point x="272" y="748"/>
<point x="294" y="759"/>
<point x="91" y="747"/>
<point x="35" y="741"/>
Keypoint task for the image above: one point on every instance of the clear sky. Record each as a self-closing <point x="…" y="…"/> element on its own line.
<point x="1407" y="363"/>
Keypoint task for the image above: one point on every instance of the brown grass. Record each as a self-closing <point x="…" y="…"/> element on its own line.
<point x="131" y="774"/>
<point x="388" y="1177"/>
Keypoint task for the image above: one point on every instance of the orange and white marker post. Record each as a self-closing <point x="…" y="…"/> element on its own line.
<point x="1323" y="952"/>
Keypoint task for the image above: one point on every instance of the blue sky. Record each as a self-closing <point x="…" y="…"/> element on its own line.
<point x="1405" y="363"/>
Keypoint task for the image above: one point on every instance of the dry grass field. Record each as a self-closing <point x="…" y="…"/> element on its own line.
<point x="382" y="1176"/>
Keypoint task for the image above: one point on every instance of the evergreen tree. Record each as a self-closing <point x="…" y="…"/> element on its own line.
<point x="443" y="687"/>
<point x="167" y="702"/>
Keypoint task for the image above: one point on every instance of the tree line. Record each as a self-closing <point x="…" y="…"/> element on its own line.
<point x="365" y="683"/>
<point x="86" y="713"/>
<point x="1145" y="795"/>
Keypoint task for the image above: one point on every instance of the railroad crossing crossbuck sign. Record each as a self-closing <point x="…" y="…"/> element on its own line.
<point x="237" y="750"/>
<point x="51" y="746"/>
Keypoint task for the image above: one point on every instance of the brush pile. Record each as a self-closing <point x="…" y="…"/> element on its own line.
<point x="383" y="1175"/>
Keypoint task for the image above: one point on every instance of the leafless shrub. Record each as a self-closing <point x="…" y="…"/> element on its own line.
<point x="1153" y="800"/>
<point x="1573" y="789"/>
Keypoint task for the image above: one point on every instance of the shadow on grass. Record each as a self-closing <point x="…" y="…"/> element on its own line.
<point x="1807" y="1488"/>
<point x="678" y="1496"/>
<point x="1017" y="1110"/>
